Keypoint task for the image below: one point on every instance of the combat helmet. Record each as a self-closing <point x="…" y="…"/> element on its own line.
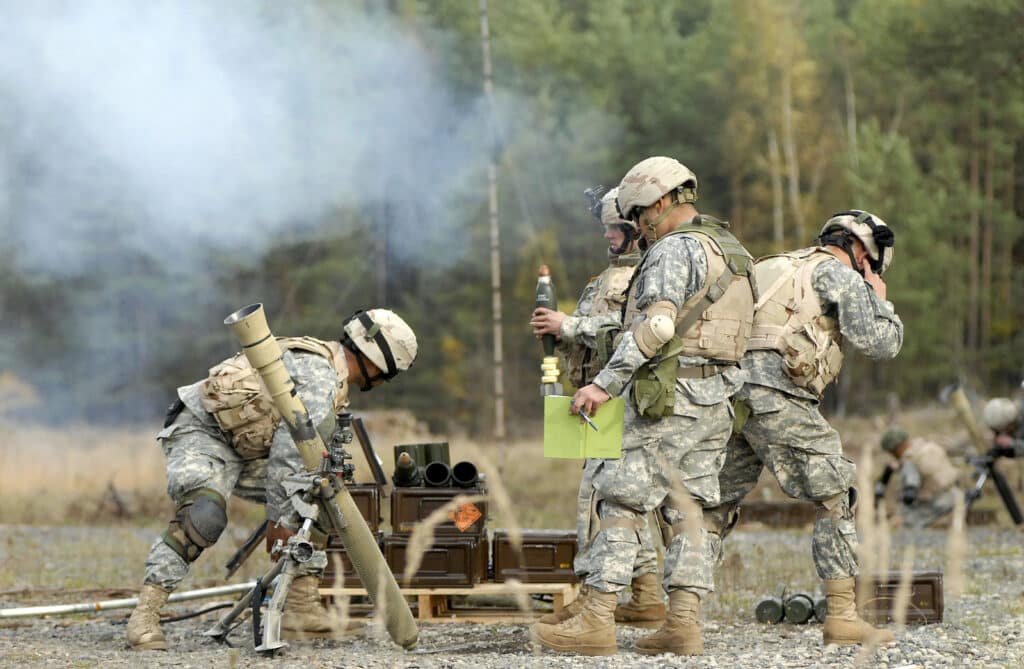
<point x="892" y="438"/>
<point x="871" y="230"/>
<point x="604" y="208"/>
<point x="650" y="180"/>
<point x="383" y="338"/>
<point x="1000" y="414"/>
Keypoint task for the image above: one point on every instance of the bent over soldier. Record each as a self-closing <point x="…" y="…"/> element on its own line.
<point x="809" y="303"/>
<point x="586" y="342"/>
<point x="223" y="436"/>
<point x="688" y="317"/>
<point x="928" y="480"/>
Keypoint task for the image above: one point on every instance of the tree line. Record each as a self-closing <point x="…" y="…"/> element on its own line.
<point x="787" y="110"/>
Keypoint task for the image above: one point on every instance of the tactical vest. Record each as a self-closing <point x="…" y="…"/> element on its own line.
<point x="582" y="363"/>
<point x="937" y="472"/>
<point x="715" y="322"/>
<point x="236" y="396"/>
<point x="788" y="319"/>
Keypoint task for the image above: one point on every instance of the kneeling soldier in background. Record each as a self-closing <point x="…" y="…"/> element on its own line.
<point x="928" y="489"/>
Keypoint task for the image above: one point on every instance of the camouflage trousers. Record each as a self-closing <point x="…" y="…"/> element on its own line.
<point x="924" y="512"/>
<point x="790" y="436"/>
<point x="587" y="524"/>
<point x="198" y="456"/>
<point x="671" y="465"/>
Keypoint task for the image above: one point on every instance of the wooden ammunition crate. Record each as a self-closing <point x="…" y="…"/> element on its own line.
<point x="411" y="505"/>
<point x="338" y="554"/>
<point x="453" y="561"/>
<point x="367" y="499"/>
<point x="925" y="606"/>
<point x="547" y="557"/>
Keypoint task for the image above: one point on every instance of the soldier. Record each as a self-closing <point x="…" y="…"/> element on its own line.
<point x="1003" y="416"/>
<point x="585" y="343"/>
<point x="810" y="301"/>
<point x="223" y="436"/>
<point x="688" y="316"/>
<point x="928" y="489"/>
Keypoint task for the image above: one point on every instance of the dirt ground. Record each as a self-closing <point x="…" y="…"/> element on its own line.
<point x="983" y="627"/>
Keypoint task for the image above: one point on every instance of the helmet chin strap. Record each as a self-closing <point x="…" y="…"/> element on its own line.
<point x="653" y="223"/>
<point x="629" y="236"/>
<point x="843" y="241"/>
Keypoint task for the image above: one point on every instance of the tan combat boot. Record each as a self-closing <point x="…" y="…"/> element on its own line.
<point x="569" y="610"/>
<point x="591" y="632"/>
<point x="681" y="633"/>
<point x="144" y="625"/>
<point x="843" y="626"/>
<point x="304" y="615"/>
<point x="645" y="608"/>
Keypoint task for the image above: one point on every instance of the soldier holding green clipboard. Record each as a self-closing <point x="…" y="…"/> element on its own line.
<point x="686" y="322"/>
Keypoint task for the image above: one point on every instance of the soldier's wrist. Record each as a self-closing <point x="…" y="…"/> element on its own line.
<point x="608" y="383"/>
<point x="568" y="328"/>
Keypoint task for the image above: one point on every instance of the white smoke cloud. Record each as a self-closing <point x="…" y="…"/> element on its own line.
<point x="170" y="125"/>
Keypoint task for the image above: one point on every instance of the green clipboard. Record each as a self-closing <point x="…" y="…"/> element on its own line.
<point x="567" y="436"/>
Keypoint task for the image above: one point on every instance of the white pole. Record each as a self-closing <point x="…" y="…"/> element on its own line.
<point x="110" y="604"/>
<point x="492" y="188"/>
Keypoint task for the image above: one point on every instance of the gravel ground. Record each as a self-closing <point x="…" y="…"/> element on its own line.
<point x="982" y="628"/>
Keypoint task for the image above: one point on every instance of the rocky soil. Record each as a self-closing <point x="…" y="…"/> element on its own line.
<point x="982" y="628"/>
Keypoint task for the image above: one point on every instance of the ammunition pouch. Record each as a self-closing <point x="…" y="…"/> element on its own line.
<point x="654" y="387"/>
<point x="582" y="363"/>
<point x="198" y="523"/>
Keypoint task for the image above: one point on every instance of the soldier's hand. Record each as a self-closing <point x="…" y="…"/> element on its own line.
<point x="874" y="281"/>
<point x="589" y="398"/>
<point x="546" y="321"/>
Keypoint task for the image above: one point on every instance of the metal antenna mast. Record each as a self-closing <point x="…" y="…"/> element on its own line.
<point x="492" y="183"/>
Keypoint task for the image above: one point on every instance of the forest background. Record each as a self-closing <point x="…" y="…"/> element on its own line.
<point x="166" y="163"/>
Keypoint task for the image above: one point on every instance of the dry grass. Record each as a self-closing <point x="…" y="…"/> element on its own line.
<point x="65" y="476"/>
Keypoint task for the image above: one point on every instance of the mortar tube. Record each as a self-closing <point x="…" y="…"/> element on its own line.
<point x="464" y="474"/>
<point x="437" y="475"/>
<point x="339" y="509"/>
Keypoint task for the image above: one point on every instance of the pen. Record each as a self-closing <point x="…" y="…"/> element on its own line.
<point x="586" y="418"/>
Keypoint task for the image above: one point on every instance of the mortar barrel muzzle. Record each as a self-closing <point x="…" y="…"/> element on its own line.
<point x="464" y="474"/>
<point x="437" y="475"/>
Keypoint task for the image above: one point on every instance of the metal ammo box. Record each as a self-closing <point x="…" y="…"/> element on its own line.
<point x="547" y="557"/>
<point x="451" y="562"/>
<point x="411" y="505"/>
<point x="925" y="604"/>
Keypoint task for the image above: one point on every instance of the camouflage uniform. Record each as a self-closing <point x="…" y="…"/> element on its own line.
<point x="199" y="455"/>
<point x="683" y="451"/>
<point x="600" y="306"/>
<point x="786" y="431"/>
<point x="927" y="475"/>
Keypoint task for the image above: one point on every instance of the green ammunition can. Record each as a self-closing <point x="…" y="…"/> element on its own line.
<point x="769" y="610"/>
<point x="820" y="609"/>
<point x="799" y="608"/>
